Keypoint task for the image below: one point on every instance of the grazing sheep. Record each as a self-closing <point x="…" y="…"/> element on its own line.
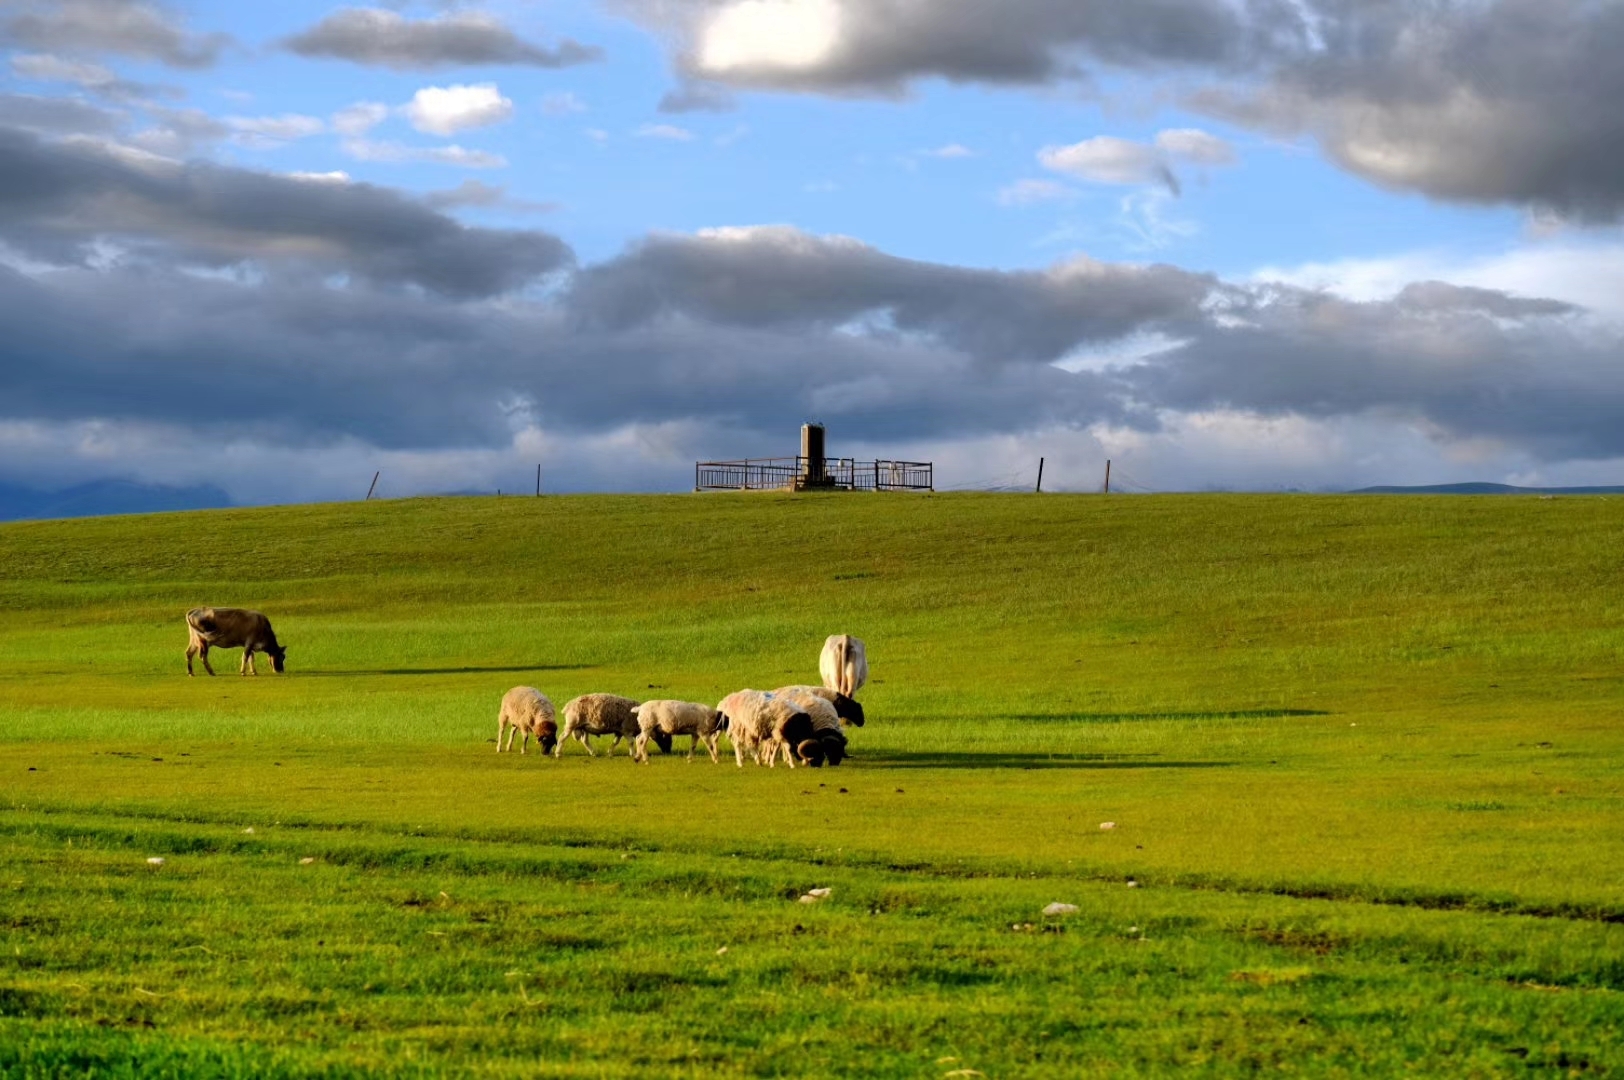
<point x="526" y="709"/>
<point x="811" y="753"/>
<point x="601" y="714"/>
<point x="753" y="720"/>
<point x="231" y="628"/>
<point x="818" y="704"/>
<point x="670" y="718"/>
<point x="844" y="664"/>
<point x="848" y="709"/>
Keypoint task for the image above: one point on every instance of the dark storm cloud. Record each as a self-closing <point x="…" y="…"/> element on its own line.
<point x="384" y="38"/>
<point x="1463" y="363"/>
<point x="1500" y="101"/>
<point x="782" y="278"/>
<point x="735" y="333"/>
<point x="882" y="45"/>
<point x="1486" y="101"/>
<point x="62" y="201"/>
<point x="57" y="115"/>
<point x="144" y="31"/>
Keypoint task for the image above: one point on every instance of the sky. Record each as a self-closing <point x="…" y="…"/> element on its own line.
<point x="1226" y="244"/>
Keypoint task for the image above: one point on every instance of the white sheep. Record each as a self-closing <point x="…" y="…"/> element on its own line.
<point x="526" y="709"/>
<point x="759" y="723"/>
<point x="827" y="742"/>
<point x="670" y="718"/>
<point x="600" y="714"/>
<point x="844" y="664"/>
<point x="849" y="709"/>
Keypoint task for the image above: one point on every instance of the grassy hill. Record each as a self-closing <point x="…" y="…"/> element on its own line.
<point x="1362" y="756"/>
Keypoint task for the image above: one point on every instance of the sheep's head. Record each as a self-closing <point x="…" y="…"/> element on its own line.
<point x="547" y="736"/>
<point x="796" y="729"/>
<point x="810" y="751"/>
<point x="662" y="739"/>
<point x="834" y="747"/>
<point x="849" y="710"/>
<point x="279" y="656"/>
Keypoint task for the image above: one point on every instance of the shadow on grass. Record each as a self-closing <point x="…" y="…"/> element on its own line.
<point x="1220" y="714"/>
<point x="444" y="670"/>
<point x="950" y="759"/>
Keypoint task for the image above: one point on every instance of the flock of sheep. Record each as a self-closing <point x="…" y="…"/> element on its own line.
<point x="797" y="723"/>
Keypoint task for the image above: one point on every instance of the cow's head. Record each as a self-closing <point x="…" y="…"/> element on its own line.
<point x="849" y="711"/>
<point x="279" y="658"/>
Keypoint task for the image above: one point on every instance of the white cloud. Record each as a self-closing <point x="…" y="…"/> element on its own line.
<point x="445" y="110"/>
<point x="769" y="35"/>
<point x="360" y="118"/>
<point x="1105" y="159"/>
<point x="267" y="131"/>
<point x="668" y="132"/>
<point x="46" y="68"/>
<point x="951" y="150"/>
<point x="1027" y="192"/>
<point x="562" y="104"/>
<point x="1193" y="144"/>
<point x="337" y="176"/>
<point x="397" y="153"/>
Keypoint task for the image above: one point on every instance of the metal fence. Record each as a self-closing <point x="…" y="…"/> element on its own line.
<point x="796" y="474"/>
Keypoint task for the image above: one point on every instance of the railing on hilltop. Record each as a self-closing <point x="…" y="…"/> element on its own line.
<point x="796" y="474"/>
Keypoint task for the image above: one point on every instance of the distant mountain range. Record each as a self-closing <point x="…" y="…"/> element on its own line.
<point x="106" y="497"/>
<point x="1485" y="489"/>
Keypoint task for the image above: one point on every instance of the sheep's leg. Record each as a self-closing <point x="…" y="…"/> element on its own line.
<point x="738" y="752"/>
<point x="615" y="744"/>
<point x="501" y="729"/>
<point x="586" y="740"/>
<point x="639" y="749"/>
<point x="710" y="744"/>
<point x="524" y="743"/>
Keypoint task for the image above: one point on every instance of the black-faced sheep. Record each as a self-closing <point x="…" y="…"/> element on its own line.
<point x="666" y="718"/>
<point x="601" y="714"/>
<point x="526" y="709"/>
<point x="752" y="718"/>
<point x="817" y="703"/>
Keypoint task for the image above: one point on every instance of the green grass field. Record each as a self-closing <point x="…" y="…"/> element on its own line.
<point x="1365" y="757"/>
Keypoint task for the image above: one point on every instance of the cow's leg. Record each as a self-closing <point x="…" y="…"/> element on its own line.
<point x="191" y="651"/>
<point x="203" y="654"/>
<point x="247" y="661"/>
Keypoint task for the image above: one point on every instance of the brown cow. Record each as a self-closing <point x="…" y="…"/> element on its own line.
<point x="231" y="628"/>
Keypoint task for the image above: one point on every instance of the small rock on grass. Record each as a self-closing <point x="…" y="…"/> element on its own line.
<point x="1107" y="826"/>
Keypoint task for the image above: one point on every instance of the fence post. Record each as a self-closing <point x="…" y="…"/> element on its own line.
<point x="373" y="485"/>
<point x="1040" y="476"/>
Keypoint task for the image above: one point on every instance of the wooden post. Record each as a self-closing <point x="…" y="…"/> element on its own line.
<point x="1040" y="476"/>
<point x="374" y="484"/>
<point x="538" y="479"/>
<point x="1108" y="476"/>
